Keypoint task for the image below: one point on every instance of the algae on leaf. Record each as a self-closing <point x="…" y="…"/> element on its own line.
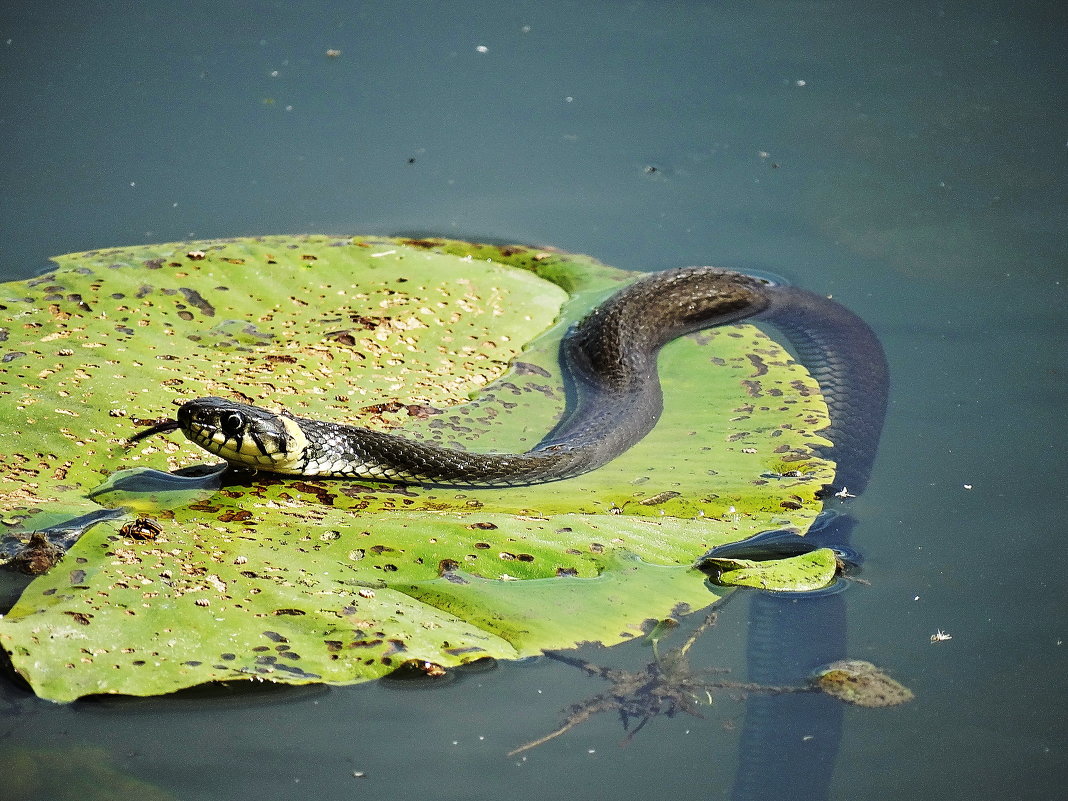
<point x="297" y="580"/>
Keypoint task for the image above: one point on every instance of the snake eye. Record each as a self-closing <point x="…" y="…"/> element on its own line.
<point x="232" y="423"/>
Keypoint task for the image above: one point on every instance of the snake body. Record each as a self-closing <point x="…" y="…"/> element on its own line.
<point x="610" y="357"/>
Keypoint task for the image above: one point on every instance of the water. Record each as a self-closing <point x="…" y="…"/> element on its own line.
<point x="908" y="159"/>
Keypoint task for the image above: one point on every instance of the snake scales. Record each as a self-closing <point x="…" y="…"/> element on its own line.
<point x="610" y="356"/>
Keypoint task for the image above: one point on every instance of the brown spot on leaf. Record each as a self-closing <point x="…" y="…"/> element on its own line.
<point x="526" y="368"/>
<point x="660" y="497"/>
<point x="420" y="243"/>
<point x="421" y="411"/>
<point x="752" y="388"/>
<point x="759" y="366"/>
<point x="232" y="515"/>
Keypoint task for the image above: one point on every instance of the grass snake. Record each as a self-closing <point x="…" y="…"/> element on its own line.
<point x="610" y="358"/>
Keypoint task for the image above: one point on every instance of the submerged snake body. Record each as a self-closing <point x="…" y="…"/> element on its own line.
<point x="611" y="359"/>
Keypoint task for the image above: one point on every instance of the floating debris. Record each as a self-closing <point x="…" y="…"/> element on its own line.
<point x="38" y="556"/>
<point x="860" y="683"/>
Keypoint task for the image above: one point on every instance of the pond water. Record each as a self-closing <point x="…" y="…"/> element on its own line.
<point x="908" y="159"/>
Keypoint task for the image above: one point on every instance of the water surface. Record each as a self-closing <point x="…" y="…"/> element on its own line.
<point x="908" y="159"/>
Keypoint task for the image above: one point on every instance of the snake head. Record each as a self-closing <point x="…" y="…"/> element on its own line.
<point x="243" y="435"/>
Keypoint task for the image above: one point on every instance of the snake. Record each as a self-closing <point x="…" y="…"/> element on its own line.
<point x="610" y="360"/>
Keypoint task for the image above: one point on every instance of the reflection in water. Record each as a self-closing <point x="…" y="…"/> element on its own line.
<point x="787" y="736"/>
<point x="789" y="744"/>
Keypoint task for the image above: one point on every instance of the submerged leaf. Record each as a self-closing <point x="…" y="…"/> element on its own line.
<point x="299" y="580"/>
<point x="860" y="683"/>
<point x="87" y="773"/>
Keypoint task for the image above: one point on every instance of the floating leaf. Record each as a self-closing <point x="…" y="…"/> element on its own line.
<point x="298" y="580"/>
<point x="809" y="571"/>
<point x="860" y="683"/>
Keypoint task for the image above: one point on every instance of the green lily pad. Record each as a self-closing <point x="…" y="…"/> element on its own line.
<point x="802" y="573"/>
<point x="298" y="581"/>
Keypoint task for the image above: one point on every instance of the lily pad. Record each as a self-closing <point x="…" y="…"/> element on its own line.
<point x="809" y="571"/>
<point x="298" y="581"/>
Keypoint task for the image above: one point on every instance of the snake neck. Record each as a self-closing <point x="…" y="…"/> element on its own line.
<point x="614" y="348"/>
<point x="610" y="358"/>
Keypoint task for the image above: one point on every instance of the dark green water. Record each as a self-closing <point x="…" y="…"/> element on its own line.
<point x="908" y="159"/>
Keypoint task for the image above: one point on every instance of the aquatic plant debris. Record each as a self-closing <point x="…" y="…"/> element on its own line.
<point x="300" y="581"/>
<point x="668" y="685"/>
<point x="860" y="683"/>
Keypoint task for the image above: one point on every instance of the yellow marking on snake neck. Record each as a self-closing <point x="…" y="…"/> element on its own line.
<point x="296" y="444"/>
